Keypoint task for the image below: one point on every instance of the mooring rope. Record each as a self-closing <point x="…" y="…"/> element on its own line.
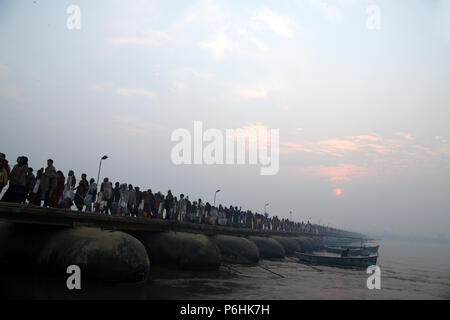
<point x="314" y="268"/>
<point x="281" y="276"/>
<point x="305" y="264"/>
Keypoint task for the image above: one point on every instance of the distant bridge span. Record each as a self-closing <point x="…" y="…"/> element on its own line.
<point x="29" y="214"/>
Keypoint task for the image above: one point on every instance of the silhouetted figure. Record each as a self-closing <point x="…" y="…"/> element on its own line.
<point x="57" y="196"/>
<point x="4" y="171"/>
<point x="115" y="199"/>
<point x="48" y="182"/>
<point x="35" y="197"/>
<point x="30" y="180"/>
<point x="17" y="182"/>
<point x="168" y="204"/>
<point x="91" y="195"/>
<point x="82" y="190"/>
<point x="69" y="187"/>
<point x="345" y="253"/>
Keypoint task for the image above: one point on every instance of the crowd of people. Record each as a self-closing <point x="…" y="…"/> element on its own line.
<point x="50" y="188"/>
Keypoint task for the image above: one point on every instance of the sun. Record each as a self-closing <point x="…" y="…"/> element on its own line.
<point x="338" y="192"/>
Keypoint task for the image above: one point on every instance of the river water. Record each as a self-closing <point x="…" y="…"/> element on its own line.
<point x="408" y="271"/>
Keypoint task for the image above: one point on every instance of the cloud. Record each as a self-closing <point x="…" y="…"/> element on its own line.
<point x="209" y="26"/>
<point x="233" y="39"/>
<point x="106" y="87"/>
<point x="143" y="32"/>
<point x="153" y="38"/>
<point x="367" y="137"/>
<point x="369" y="155"/>
<point x="330" y="13"/>
<point x="221" y="45"/>
<point x="253" y="93"/>
<point x="132" y="92"/>
<point x="289" y="147"/>
<point x="346" y="146"/>
<point x="135" y="125"/>
<point x="253" y="133"/>
<point x="100" y="87"/>
<point x="283" y="26"/>
<point x="405" y="135"/>
<point x="178" y="87"/>
<point x="379" y="148"/>
<point x="203" y="12"/>
<point x="258" y="43"/>
<point x="258" y="91"/>
<point x="340" y="173"/>
<point x="336" y="144"/>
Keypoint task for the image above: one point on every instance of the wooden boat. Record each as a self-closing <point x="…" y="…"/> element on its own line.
<point x="353" y="251"/>
<point x="359" y="261"/>
<point x="341" y="242"/>
<point x="373" y="249"/>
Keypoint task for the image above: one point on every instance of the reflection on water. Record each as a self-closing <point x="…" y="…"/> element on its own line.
<point x="408" y="271"/>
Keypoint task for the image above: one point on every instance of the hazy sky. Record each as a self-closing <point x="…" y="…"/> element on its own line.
<point x="363" y="114"/>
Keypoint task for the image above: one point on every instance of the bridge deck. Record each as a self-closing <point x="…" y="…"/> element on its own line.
<point x="29" y="214"/>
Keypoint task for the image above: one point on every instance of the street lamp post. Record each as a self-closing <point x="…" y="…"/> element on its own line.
<point x="265" y="206"/>
<point x="215" y="197"/>
<point x="100" y="167"/>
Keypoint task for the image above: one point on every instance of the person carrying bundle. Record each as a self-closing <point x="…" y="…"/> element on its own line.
<point x="69" y="187"/>
<point x="90" y="197"/>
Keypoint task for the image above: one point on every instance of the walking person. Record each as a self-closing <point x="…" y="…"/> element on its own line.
<point x="123" y="202"/>
<point x="17" y="182"/>
<point x="4" y="171"/>
<point x="49" y="182"/>
<point x="91" y="195"/>
<point x="200" y="211"/>
<point x="156" y="205"/>
<point x="151" y="202"/>
<point x="207" y="212"/>
<point x="213" y="215"/>
<point x="35" y="197"/>
<point x="30" y="180"/>
<point x="161" y="206"/>
<point x="188" y="206"/>
<point x="175" y="209"/>
<point x="69" y="187"/>
<point x="107" y="192"/>
<point x="57" y="196"/>
<point x="139" y="207"/>
<point x="115" y="199"/>
<point x="82" y="190"/>
<point x="131" y="200"/>
<point x="168" y="203"/>
<point x="146" y="210"/>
